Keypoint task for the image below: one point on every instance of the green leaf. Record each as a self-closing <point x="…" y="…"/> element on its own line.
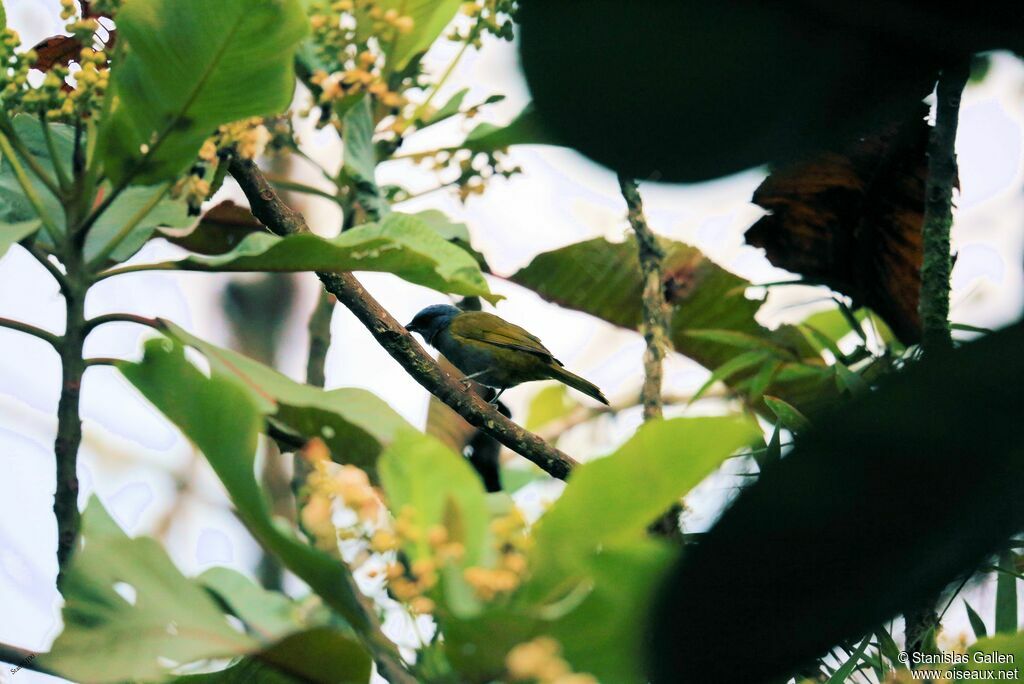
<point x="355" y="424"/>
<point x="3" y="16"/>
<point x="791" y="419"/>
<point x="168" y="213"/>
<point x="267" y="613"/>
<point x="402" y="244"/>
<point x="12" y="233"/>
<point x="189" y="66"/>
<point x="817" y="521"/>
<point x="665" y="459"/>
<point x="447" y="110"/>
<point x="727" y="370"/>
<point x="548" y="405"/>
<point x="14" y="205"/>
<point x="624" y="582"/>
<point x="806" y="96"/>
<point x="360" y="160"/>
<point x="977" y="624"/>
<point x="245" y="671"/>
<point x="418" y="471"/>
<point x="323" y="656"/>
<point x="201" y="407"/>
<point x="514" y="479"/>
<point x="169" y="617"/>
<point x="524" y="129"/>
<point x="986" y="654"/>
<point x="15" y="208"/>
<point x="318" y="656"/>
<point x="846" y="670"/>
<point x="603" y="279"/>
<point x="439" y="486"/>
<point x="1006" y="595"/>
<point x="430" y="17"/>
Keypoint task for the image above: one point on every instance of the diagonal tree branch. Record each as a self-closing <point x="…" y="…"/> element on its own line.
<point x="283" y="220"/>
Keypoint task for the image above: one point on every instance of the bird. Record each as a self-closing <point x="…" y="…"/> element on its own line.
<point x="492" y="351"/>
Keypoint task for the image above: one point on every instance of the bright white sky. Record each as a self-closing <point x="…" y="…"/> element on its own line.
<point x="130" y="453"/>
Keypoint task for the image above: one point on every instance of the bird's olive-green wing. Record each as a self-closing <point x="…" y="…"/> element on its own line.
<point x="490" y="329"/>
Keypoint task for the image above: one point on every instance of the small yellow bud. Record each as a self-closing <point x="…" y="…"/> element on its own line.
<point x="421" y="604"/>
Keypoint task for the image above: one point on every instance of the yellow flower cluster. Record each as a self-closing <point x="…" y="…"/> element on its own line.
<point x="194" y="189"/>
<point x="55" y="97"/>
<point x="248" y="138"/>
<point x="329" y="483"/>
<point x="409" y="583"/>
<point x="363" y="76"/>
<point x="91" y="83"/>
<point x="511" y="542"/>
<point x="541" y="661"/>
<point x="471" y="171"/>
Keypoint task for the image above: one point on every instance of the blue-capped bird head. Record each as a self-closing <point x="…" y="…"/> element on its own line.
<point x="432" y="320"/>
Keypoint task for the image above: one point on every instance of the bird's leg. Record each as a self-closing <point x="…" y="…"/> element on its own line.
<point x="494" y="400"/>
<point x="466" y="378"/>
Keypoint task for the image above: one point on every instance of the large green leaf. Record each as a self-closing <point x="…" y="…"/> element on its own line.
<point x="603" y="279"/>
<point x="110" y="638"/>
<point x="430" y="17"/>
<point x="421" y="472"/>
<point x="15" y="208"/>
<point x="221" y="417"/>
<point x="245" y="671"/>
<point x="189" y="66"/>
<point x="317" y="656"/>
<point x="355" y="424"/>
<point x="987" y="654"/>
<point x="592" y="558"/>
<point x="403" y="244"/>
<point x="664" y="460"/>
<point x="882" y="504"/>
<point x="695" y="89"/>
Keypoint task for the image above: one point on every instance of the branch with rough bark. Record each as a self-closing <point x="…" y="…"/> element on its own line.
<point x="922" y="622"/>
<point x="655" y="310"/>
<point x="937" y="265"/>
<point x="396" y="340"/>
<point x="654" y="326"/>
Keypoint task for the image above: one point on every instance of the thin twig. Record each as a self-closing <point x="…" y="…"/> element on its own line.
<point x="292" y="186"/>
<point x="44" y="260"/>
<point x="655" y="310"/>
<point x="96" y="322"/>
<point x="319" y="338"/>
<point x="395" y="339"/>
<point x="44" y="335"/>
<point x="102" y="361"/>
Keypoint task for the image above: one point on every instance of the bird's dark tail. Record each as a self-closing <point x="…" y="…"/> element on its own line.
<point x="577" y="383"/>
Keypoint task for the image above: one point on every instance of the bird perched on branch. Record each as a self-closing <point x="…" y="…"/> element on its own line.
<point x="493" y="351"/>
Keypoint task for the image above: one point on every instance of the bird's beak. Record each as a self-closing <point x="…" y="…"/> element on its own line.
<point x="411" y="328"/>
